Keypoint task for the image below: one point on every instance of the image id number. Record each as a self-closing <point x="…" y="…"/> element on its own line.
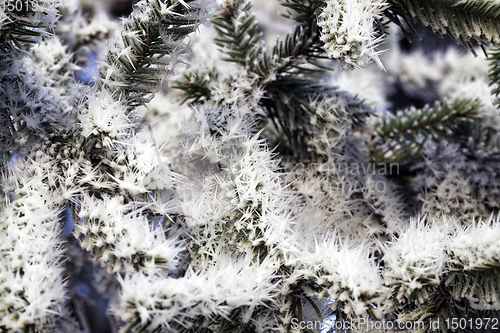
<point x="476" y="323"/>
<point x="19" y="5"/>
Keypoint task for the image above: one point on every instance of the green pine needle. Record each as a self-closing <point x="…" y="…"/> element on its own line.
<point x="238" y="33"/>
<point x="195" y="86"/>
<point x="152" y="43"/>
<point x="494" y="74"/>
<point x="462" y="20"/>
<point x="400" y="137"/>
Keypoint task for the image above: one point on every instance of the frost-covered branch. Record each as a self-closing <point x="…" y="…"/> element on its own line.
<point x="31" y="282"/>
<point x="265" y="198"/>
<point x="148" y="48"/>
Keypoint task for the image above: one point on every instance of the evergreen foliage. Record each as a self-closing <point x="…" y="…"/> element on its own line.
<point x="402" y="136"/>
<point x="149" y="47"/>
<point x="495" y="71"/>
<point x="462" y="20"/>
<point x="238" y="33"/>
<point x="285" y="197"/>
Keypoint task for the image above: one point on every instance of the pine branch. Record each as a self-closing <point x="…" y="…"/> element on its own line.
<point x="400" y="137"/>
<point x="462" y="20"/>
<point x="494" y="73"/>
<point x="30" y="24"/>
<point x="32" y="288"/>
<point x="239" y="36"/>
<point x="304" y="112"/>
<point x="303" y="12"/>
<point x="148" y="48"/>
<point x="124" y="174"/>
<point x="196" y="85"/>
<point x="427" y="120"/>
<point x="455" y="274"/>
<point x="297" y="51"/>
<point x="33" y="102"/>
<point x="240" y="39"/>
<point x="288" y="74"/>
<point x="294" y="54"/>
<point x="304" y="41"/>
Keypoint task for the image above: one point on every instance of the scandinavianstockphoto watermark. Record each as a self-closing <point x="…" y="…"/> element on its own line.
<point x="357" y="169"/>
<point x="330" y="325"/>
<point x="355" y="175"/>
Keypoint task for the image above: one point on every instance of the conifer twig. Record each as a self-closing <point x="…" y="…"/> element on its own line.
<point x="462" y="20"/>
<point x="149" y="47"/>
<point x="398" y="137"/>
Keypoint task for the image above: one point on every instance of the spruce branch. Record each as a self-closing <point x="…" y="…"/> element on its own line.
<point x="287" y="74"/>
<point x="240" y="38"/>
<point x="453" y="275"/>
<point x="399" y="137"/>
<point x="303" y="12"/>
<point x="494" y="73"/>
<point x="32" y="102"/>
<point x="31" y="281"/>
<point x="462" y="20"/>
<point x="29" y="105"/>
<point x="196" y="85"/>
<point x="148" y="48"/>
<point x="28" y="24"/>
<point x="294" y="54"/>
<point x="311" y="117"/>
<point x="238" y="34"/>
